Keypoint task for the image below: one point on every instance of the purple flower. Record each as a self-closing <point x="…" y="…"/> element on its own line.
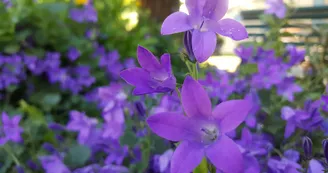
<point x="276" y="7"/>
<point x="205" y="21"/>
<point x="162" y="162"/>
<point x="168" y="103"/>
<point x="114" y="169"/>
<point x="153" y="77"/>
<point x="287" y="89"/>
<point x="110" y="61"/>
<point x="53" y="164"/>
<point x="253" y="97"/>
<point x="295" y="56"/>
<point x="10" y="130"/>
<point x="245" y="53"/>
<point x="202" y="131"/>
<point x="315" y="167"/>
<point x="117" y="155"/>
<point x="79" y="122"/>
<point x="287" y="164"/>
<point x="254" y="144"/>
<point x="73" y="54"/>
<point x="85" y="14"/>
<point x="308" y="119"/>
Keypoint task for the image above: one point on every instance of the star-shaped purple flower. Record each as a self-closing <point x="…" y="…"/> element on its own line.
<point x="205" y="21"/>
<point x="153" y="76"/>
<point x="10" y="129"/>
<point x="276" y="7"/>
<point x="203" y="131"/>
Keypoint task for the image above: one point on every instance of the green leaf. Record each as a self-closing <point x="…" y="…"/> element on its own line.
<point x="11" y="48"/>
<point x="77" y="156"/>
<point x="248" y="69"/>
<point x="50" y="100"/>
<point x="265" y="97"/>
<point x="202" y="168"/>
<point x="129" y="138"/>
<point x="33" y="112"/>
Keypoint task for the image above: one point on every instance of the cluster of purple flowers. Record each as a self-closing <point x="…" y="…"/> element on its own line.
<point x="85" y="14"/>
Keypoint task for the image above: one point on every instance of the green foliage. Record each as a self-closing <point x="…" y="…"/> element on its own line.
<point x="77" y="156"/>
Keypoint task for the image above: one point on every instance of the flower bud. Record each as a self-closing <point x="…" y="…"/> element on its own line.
<point x="140" y="109"/>
<point x="325" y="148"/>
<point x="307" y="147"/>
<point x="187" y="40"/>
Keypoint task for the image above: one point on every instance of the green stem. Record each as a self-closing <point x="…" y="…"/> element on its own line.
<point x="196" y="71"/>
<point x="278" y="152"/>
<point x="178" y="92"/>
<point x="11" y="155"/>
<point x="306" y="166"/>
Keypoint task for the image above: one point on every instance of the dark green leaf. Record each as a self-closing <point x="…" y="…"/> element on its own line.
<point x="77" y="156"/>
<point x="129" y="138"/>
<point x="248" y="69"/>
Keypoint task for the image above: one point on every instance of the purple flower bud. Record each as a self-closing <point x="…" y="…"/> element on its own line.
<point x="325" y="148"/>
<point x="187" y="40"/>
<point x="140" y="109"/>
<point x="307" y="147"/>
<point x="56" y="127"/>
<point x="49" y="147"/>
<point x="32" y="165"/>
<point x="19" y="169"/>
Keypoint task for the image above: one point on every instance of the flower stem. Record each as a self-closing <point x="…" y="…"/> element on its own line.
<point x="12" y="155"/>
<point x="306" y="166"/>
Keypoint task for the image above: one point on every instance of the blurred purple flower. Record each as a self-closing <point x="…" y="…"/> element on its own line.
<point x="117" y="155"/>
<point x="10" y="130"/>
<point x="287" y="164"/>
<point x="295" y="56"/>
<point x="85" y="14"/>
<point x="276" y="7"/>
<point x="288" y="88"/>
<point x="253" y="97"/>
<point x="73" y="54"/>
<point x="153" y="77"/>
<point x="168" y="103"/>
<point x="162" y="162"/>
<point x="82" y="124"/>
<point x="53" y="164"/>
<point x="129" y="63"/>
<point x="114" y="169"/>
<point x="245" y="53"/>
<point x="205" y="21"/>
<point x="110" y="61"/>
<point x="308" y="119"/>
<point x="202" y="131"/>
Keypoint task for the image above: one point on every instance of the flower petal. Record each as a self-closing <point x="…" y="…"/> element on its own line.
<point x="175" y="23"/>
<point x="231" y="113"/>
<point x="171" y="126"/>
<point x="147" y="60"/>
<point x="195" y="100"/>
<point x="135" y="76"/>
<point x="225" y="155"/>
<point x="229" y="28"/>
<point x="186" y="157"/>
<point x="315" y="166"/>
<point x="203" y="44"/>
<point x="166" y="62"/>
<point x="195" y="7"/>
<point x="289" y="129"/>
<point x="215" y="9"/>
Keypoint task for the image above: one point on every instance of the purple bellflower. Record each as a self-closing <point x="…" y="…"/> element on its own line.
<point x="53" y="164"/>
<point x="203" y="131"/>
<point x="205" y="21"/>
<point x="276" y="7"/>
<point x="10" y="131"/>
<point x="287" y="164"/>
<point x="153" y="77"/>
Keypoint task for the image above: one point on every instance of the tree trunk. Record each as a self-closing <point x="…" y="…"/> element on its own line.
<point x="160" y="9"/>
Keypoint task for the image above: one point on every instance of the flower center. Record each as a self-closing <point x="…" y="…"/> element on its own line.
<point x="209" y="134"/>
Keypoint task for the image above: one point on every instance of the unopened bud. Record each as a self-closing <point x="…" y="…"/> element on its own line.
<point x="307" y="147"/>
<point x="187" y="40"/>
<point x="325" y="148"/>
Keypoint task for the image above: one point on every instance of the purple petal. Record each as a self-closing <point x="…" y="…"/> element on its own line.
<point x="166" y="62"/>
<point x="186" y="158"/>
<point x="195" y="7"/>
<point x="225" y="155"/>
<point x="289" y="129"/>
<point x="231" y="113"/>
<point x="5" y="118"/>
<point x="135" y="76"/>
<point x="315" y="167"/>
<point x="175" y="23"/>
<point x="203" y="44"/>
<point x="171" y="126"/>
<point x="229" y="28"/>
<point x="246" y="136"/>
<point x="195" y="100"/>
<point x="215" y="9"/>
<point x="147" y="60"/>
